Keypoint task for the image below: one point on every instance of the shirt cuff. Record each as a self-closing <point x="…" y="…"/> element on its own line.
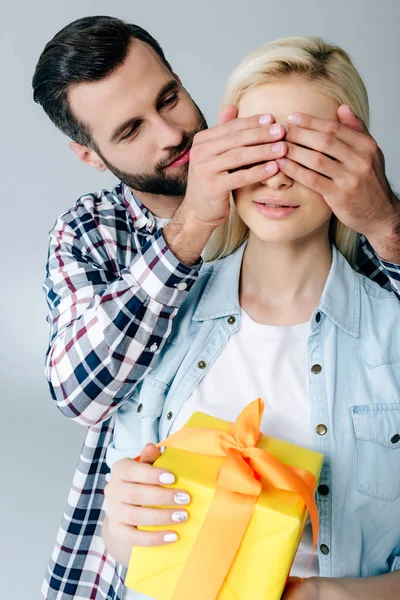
<point x="161" y="275"/>
<point x="392" y="271"/>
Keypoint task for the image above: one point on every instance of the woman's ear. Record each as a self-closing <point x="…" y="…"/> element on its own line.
<point x="88" y="156"/>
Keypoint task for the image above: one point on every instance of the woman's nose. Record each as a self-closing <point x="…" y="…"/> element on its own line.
<point x="279" y="181"/>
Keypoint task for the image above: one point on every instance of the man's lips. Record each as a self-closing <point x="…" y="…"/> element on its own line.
<point x="181" y="160"/>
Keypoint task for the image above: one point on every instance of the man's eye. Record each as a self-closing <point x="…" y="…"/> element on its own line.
<point x="130" y="132"/>
<point x="170" y="100"/>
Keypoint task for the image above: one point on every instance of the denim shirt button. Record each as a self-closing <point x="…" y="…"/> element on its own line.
<point x="323" y="490"/>
<point x="395" y="439"/>
<point x="321" y="429"/>
<point x="202" y="364"/>
<point x="139" y="408"/>
<point x="231" y="320"/>
<point x="316" y="369"/>
<point x="324" y="549"/>
<point x="318" y="317"/>
<point x="169" y="416"/>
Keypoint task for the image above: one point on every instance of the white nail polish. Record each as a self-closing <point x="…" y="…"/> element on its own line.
<point x="108" y="477"/>
<point x="179" y="516"/>
<point x="181" y="498"/>
<point x="167" y="478"/>
<point x="170" y="537"/>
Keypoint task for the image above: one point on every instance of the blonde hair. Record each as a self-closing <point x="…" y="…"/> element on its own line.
<point x="330" y="68"/>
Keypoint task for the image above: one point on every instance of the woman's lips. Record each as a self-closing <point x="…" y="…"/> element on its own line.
<point x="182" y="160"/>
<point x="275" y="212"/>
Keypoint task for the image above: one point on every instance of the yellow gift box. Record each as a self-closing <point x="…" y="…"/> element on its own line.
<point x="250" y="499"/>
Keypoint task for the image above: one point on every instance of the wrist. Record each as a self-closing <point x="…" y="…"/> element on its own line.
<point x="386" y="240"/>
<point x="187" y="236"/>
<point x="386" y="247"/>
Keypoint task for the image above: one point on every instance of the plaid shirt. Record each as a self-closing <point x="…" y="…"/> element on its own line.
<point x="113" y="288"/>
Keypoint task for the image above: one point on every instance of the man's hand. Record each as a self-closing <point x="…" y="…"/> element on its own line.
<point x="234" y="154"/>
<point x="341" y="161"/>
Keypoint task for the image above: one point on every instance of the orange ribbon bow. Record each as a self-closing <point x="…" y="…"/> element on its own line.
<point x="240" y="481"/>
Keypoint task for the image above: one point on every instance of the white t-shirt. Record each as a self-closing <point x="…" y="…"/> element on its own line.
<point x="268" y="362"/>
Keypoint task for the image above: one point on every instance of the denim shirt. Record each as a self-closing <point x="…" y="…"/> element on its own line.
<point x="354" y="384"/>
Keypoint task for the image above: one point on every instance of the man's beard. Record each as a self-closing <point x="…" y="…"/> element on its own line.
<point x="159" y="182"/>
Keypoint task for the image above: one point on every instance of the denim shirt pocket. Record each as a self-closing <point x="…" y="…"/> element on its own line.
<point x="377" y="432"/>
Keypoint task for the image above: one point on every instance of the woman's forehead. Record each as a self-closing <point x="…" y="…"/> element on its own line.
<point x="284" y="97"/>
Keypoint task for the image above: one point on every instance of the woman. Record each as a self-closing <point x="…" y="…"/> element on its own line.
<point x="280" y="314"/>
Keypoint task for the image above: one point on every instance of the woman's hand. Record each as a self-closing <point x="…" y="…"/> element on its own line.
<point x="303" y="590"/>
<point x="134" y="487"/>
<point x="384" y="587"/>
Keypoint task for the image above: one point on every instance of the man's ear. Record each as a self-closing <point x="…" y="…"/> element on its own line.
<point x="88" y="156"/>
<point x="177" y="78"/>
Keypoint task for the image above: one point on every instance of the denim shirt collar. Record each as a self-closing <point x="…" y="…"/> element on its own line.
<point x="340" y="299"/>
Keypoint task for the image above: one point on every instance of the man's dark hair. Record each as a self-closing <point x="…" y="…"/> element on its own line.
<point x="89" y="49"/>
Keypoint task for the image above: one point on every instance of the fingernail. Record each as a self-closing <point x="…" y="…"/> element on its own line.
<point x="181" y="498"/>
<point x="170" y="537"/>
<point x="265" y="119"/>
<point x="277" y="148"/>
<point x="283" y="162"/>
<point x="179" y="516"/>
<point x="108" y="477"/>
<point x="294" y="119"/>
<point x="275" y="129"/>
<point x="270" y="167"/>
<point x="167" y="478"/>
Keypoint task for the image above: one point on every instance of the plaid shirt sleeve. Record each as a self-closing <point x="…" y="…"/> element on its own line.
<point x="384" y="273"/>
<point x="112" y="293"/>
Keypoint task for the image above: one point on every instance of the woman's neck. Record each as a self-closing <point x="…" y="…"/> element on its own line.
<point x="281" y="283"/>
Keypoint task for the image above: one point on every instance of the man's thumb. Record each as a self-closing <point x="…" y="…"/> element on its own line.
<point x="228" y="113"/>
<point x="348" y="118"/>
<point x="149" y="454"/>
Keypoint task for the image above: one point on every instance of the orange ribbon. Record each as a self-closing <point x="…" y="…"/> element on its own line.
<point x="239" y="483"/>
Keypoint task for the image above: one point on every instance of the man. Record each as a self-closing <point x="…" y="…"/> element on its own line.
<point x="121" y="262"/>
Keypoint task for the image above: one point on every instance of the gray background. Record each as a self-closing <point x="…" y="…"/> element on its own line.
<point x="41" y="178"/>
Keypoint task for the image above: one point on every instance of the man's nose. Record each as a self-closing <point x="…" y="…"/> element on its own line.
<point x="168" y="134"/>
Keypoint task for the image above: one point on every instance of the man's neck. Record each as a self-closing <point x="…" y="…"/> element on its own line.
<point x="163" y="207"/>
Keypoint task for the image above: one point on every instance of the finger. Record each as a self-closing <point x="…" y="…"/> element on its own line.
<point x="149" y="454"/>
<point x="354" y="139"/>
<point x="127" y="514"/>
<point x="136" y="472"/>
<point x="322" y="142"/>
<point x="155" y="495"/>
<point x="308" y="178"/>
<point x="314" y="160"/>
<point x="228" y="113"/>
<point x="232" y="126"/>
<point x="349" y="119"/>
<point x="247" y="137"/>
<point x="243" y="177"/>
<point x="243" y="157"/>
<point x="135" y="537"/>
